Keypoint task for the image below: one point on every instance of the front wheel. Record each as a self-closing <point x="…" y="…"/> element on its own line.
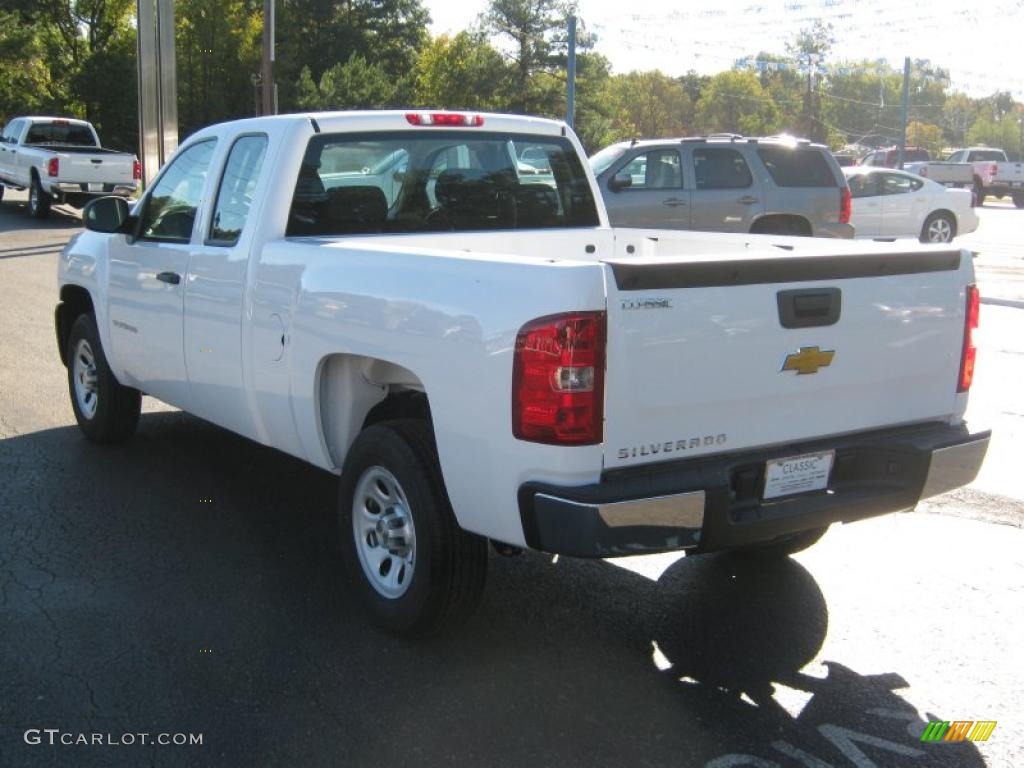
<point x="38" y="200"/>
<point x="106" y="411"/>
<point x="938" y="228"/>
<point x="412" y="566"/>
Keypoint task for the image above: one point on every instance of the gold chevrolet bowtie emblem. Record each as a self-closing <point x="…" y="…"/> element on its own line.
<point x="808" y="360"/>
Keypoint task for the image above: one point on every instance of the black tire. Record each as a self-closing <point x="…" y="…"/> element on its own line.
<point x="39" y="201"/>
<point x="941" y="222"/>
<point x="114" y="413"/>
<point x="2" y="188"/>
<point x="1018" y="199"/>
<point x="979" y="194"/>
<point x="780" y="548"/>
<point x="781" y="225"/>
<point x="448" y="566"/>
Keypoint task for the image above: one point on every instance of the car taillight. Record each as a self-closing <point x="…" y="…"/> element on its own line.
<point x="970" y="352"/>
<point x="448" y="119"/>
<point x="136" y="170"/>
<point x="53" y="167"/>
<point x="845" y="205"/>
<point x="558" y="379"/>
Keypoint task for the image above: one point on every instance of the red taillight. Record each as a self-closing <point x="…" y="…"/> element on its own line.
<point x="992" y="171"/>
<point x="558" y="379"/>
<point x="970" y="352"/>
<point x="447" y="119"/>
<point x="845" y="205"/>
<point x="136" y="170"/>
<point x="53" y="167"/>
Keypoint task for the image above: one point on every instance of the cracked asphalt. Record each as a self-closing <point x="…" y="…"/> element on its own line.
<point x="130" y="605"/>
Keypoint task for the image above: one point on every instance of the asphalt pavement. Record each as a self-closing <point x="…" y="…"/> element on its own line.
<point x="187" y="583"/>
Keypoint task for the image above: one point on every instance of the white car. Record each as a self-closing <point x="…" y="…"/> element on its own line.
<point x="888" y="203"/>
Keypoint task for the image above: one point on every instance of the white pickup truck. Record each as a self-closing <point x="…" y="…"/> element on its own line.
<point x="479" y="356"/>
<point x="994" y="174"/>
<point x="60" y="160"/>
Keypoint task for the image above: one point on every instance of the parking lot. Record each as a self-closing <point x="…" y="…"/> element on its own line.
<point x="188" y="582"/>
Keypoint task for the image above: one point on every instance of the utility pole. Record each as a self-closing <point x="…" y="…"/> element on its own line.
<point x="570" y="81"/>
<point x="269" y="86"/>
<point x="904" y="110"/>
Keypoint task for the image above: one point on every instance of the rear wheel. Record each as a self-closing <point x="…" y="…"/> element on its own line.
<point x="2" y="188"/>
<point x="412" y="566"/>
<point x="1018" y="199"/>
<point x="38" y="200"/>
<point x="783" y="547"/>
<point x="938" y="228"/>
<point x="106" y="411"/>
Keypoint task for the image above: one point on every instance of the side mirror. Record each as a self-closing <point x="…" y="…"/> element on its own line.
<point x="620" y="181"/>
<point x="106" y="214"/>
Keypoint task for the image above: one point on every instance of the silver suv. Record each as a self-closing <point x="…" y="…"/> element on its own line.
<point x="725" y="183"/>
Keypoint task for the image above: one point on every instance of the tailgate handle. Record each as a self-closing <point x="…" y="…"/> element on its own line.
<point x="809" y="307"/>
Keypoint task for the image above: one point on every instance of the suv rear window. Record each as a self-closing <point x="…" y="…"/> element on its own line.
<point x="794" y="167"/>
<point x="439" y="181"/>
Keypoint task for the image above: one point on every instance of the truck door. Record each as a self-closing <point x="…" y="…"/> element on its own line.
<point x="725" y="197"/>
<point x="147" y="278"/>
<point x="215" y="288"/>
<point x="9" y="151"/>
<point x="656" y="196"/>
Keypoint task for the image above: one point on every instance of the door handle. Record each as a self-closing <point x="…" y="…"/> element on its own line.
<point x="171" y="278"/>
<point x="673" y="202"/>
<point x="747" y="200"/>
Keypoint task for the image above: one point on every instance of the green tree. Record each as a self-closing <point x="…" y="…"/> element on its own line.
<point x="461" y="72"/>
<point x="652" y="105"/>
<point x="534" y="27"/>
<point x="26" y="85"/>
<point x="735" y="102"/>
<point x="218" y="48"/>
<point x="356" y="84"/>
<point x="1004" y="133"/>
<point x="926" y="135"/>
<point x="320" y="34"/>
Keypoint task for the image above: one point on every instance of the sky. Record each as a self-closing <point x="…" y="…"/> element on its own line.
<point x="979" y="43"/>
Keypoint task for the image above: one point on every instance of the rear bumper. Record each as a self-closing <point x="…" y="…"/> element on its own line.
<point x="121" y="189"/>
<point x="714" y="503"/>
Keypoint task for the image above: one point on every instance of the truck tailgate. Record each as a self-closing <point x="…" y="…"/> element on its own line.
<point x="76" y="168"/>
<point x="700" y="359"/>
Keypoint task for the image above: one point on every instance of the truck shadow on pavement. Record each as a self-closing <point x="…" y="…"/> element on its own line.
<point x="188" y="581"/>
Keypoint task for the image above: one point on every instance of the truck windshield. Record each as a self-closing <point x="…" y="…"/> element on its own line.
<point x="66" y="134"/>
<point x="438" y="181"/>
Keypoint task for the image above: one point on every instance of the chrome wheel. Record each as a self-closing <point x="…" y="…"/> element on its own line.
<point x="384" y="532"/>
<point x="85" y="378"/>
<point x="940" y="230"/>
<point x="33" y="198"/>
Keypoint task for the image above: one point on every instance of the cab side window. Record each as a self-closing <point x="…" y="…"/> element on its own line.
<point x="721" y="169"/>
<point x="241" y="172"/>
<point x="171" y="208"/>
<point x="657" y="169"/>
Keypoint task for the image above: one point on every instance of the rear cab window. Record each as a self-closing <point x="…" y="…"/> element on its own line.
<point x="797" y="167"/>
<point x="61" y="132"/>
<point x="405" y="182"/>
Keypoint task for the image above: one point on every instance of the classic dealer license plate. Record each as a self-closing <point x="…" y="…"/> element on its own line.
<point x="797" y="474"/>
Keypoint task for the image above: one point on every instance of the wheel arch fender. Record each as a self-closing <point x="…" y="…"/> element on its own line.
<point x="354" y="391"/>
<point x="74" y="301"/>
